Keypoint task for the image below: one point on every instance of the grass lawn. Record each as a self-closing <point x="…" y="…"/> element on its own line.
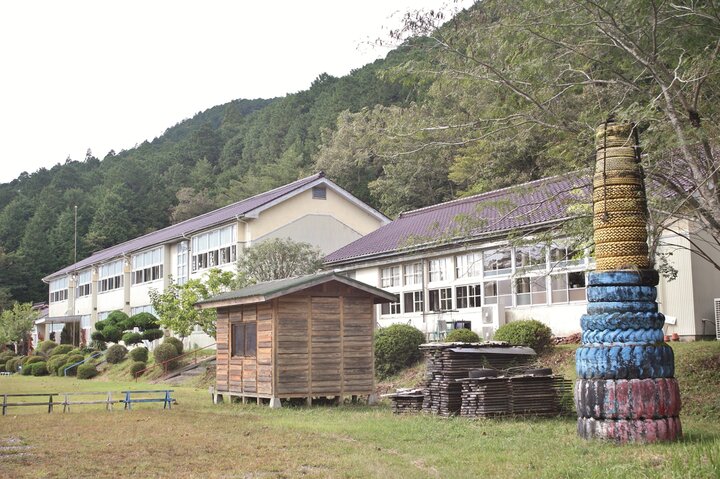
<point x="199" y="439"/>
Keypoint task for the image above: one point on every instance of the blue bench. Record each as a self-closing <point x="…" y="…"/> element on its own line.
<point x="165" y="397"/>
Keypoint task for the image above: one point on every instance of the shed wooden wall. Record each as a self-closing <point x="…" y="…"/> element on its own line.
<point x="317" y="342"/>
<point x="247" y="375"/>
<point x="325" y="342"/>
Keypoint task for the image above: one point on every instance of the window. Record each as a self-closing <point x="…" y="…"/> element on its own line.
<point x="390" y="308"/>
<point x="530" y="257"/>
<point x="110" y="276"/>
<point x="568" y="287"/>
<point x="390" y="277"/>
<point x="440" y="299"/>
<point x="319" y="193"/>
<point x="102" y="316"/>
<point x="413" y="274"/>
<point x="469" y="296"/>
<point x="413" y="302"/>
<point x="147" y="266"/>
<point x="244" y="339"/>
<point x="214" y="248"/>
<point x="182" y="263"/>
<point x="84" y="280"/>
<point x="497" y="262"/>
<point x="498" y="292"/>
<point x="468" y="265"/>
<point x="85" y="321"/>
<point x="142" y="309"/>
<point x="59" y="290"/>
<point x="564" y="255"/>
<point x="440" y="269"/>
<point x="530" y="291"/>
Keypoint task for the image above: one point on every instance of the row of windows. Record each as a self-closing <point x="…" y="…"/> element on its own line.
<point x="151" y="273"/>
<point x="564" y="287"/>
<point x="59" y="295"/>
<point x="108" y="284"/>
<point x="214" y="258"/>
<point x="488" y="263"/>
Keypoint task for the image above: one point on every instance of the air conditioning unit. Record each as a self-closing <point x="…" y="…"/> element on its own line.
<point x="489" y="322"/>
<point x="717" y="318"/>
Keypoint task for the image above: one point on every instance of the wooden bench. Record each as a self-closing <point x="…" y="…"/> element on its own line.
<point x="49" y="403"/>
<point x="165" y="397"/>
<point x="108" y="401"/>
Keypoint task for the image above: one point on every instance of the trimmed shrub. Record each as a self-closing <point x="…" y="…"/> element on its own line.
<point x="98" y="345"/>
<point x="55" y="362"/>
<point x="32" y="359"/>
<point x="45" y="346"/>
<point x="39" y="369"/>
<point x="132" y="338"/>
<point x="175" y="342"/>
<point x="139" y="354"/>
<point x="166" y="352"/>
<point x="462" y="336"/>
<point x="21" y="360"/>
<point x="26" y="369"/>
<point x="152" y="334"/>
<point x="71" y="359"/>
<point x="136" y="367"/>
<point x="97" y="336"/>
<point x="100" y="325"/>
<point x="11" y="365"/>
<point x="396" y="348"/>
<point x="62" y="349"/>
<point x="86" y="371"/>
<point x="112" y="334"/>
<point x="116" y="354"/>
<point x="117" y="319"/>
<point x="531" y="333"/>
<point x="144" y="321"/>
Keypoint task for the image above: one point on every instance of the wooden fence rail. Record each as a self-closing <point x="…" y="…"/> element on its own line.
<point x="124" y="397"/>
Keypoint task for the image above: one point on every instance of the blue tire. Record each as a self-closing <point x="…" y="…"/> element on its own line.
<point x="621" y="293"/>
<point x="624" y="336"/>
<point x="622" y="307"/>
<point x="625" y="362"/>
<point x="640" y="277"/>
<point x="618" y="320"/>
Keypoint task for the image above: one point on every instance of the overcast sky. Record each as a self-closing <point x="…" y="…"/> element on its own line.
<point x="110" y="74"/>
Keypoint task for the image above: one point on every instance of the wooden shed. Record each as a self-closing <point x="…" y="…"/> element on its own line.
<point x="304" y="337"/>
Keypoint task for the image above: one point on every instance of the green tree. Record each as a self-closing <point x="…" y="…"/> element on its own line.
<point x="276" y="259"/>
<point x="16" y="323"/>
<point x="175" y="306"/>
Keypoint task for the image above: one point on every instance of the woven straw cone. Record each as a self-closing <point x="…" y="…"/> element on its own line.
<point x="622" y="262"/>
<point x="621" y="248"/>
<point x="613" y="131"/>
<point x="615" y="152"/>
<point x="631" y="178"/>
<point x="613" y="192"/>
<point x="628" y="233"/>
<point x="618" y="220"/>
<point x="613" y="142"/>
<point x="611" y="164"/>
<point x="628" y="205"/>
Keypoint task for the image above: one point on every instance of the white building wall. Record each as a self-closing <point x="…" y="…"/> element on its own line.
<point x="675" y="298"/>
<point x="706" y="278"/>
<point x="111" y="300"/>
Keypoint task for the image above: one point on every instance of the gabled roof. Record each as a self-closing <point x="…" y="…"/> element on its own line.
<point x="488" y="214"/>
<point x="248" y="207"/>
<point x="261" y="292"/>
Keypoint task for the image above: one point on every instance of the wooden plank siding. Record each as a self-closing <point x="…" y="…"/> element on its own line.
<point x="312" y="343"/>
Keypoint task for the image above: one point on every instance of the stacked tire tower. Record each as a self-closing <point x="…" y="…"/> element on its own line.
<point x="625" y="390"/>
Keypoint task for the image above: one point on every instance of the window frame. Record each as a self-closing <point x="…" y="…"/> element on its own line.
<point x="205" y="248"/>
<point x="239" y="331"/>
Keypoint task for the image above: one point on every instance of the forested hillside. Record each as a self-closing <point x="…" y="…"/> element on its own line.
<point x="502" y="93"/>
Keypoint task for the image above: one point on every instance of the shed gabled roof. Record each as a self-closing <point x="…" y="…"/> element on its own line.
<point x="487" y="214"/>
<point x="258" y="293"/>
<point x="247" y="207"/>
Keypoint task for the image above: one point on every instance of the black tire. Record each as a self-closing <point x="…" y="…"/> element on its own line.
<point x="483" y="373"/>
<point x="630" y="430"/>
<point x="625" y="362"/>
<point x="597" y="294"/>
<point x="618" y="320"/>
<point x="624" y="336"/>
<point x="627" y="398"/>
<point x="640" y="277"/>
<point x="540" y="372"/>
